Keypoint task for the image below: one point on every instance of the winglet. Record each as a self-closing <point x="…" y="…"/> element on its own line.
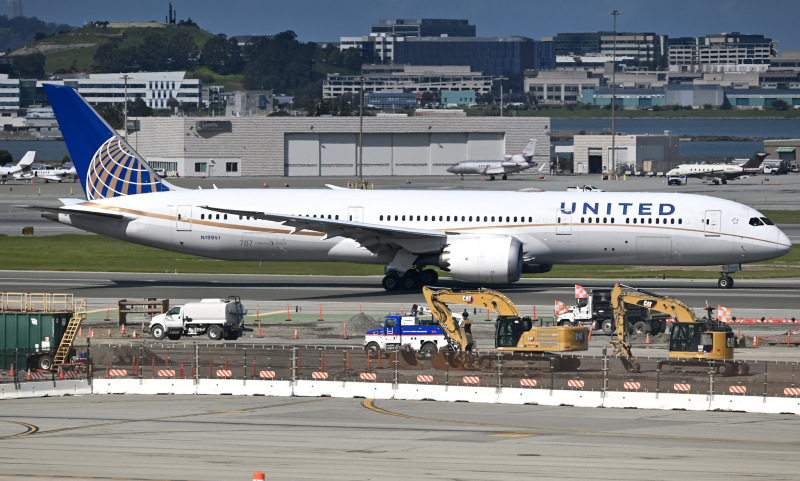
<point x="105" y="164"/>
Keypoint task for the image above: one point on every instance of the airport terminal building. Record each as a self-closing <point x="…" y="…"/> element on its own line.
<point x="329" y="146"/>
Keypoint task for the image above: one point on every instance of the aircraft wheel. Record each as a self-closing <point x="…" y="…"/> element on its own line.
<point x="724" y="182"/>
<point x="491" y="177"/>
<point x="505" y="177"/>
<point x="410" y="281"/>
<point x="429" y="277"/>
<point x="725" y="282"/>
<point x="391" y="282"/>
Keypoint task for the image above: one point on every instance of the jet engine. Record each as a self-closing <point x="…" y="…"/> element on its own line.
<point x="490" y="259"/>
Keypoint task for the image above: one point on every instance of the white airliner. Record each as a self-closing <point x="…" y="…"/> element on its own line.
<point x="484" y="237"/>
<point x="22" y="166"/>
<point x="720" y="172"/>
<point x="509" y="164"/>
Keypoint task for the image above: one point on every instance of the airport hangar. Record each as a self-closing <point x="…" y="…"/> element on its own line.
<point x="328" y="146"/>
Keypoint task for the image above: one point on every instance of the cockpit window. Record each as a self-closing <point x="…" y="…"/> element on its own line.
<point x="755" y="221"/>
<point x="767" y="221"/>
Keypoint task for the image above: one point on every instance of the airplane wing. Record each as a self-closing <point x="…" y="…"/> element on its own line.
<point x="76" y="211"/>
<point x="373" y="237"/>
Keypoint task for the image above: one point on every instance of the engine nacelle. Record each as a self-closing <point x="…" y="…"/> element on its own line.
<point x="491" y="259"/>
<point x="537" y="268"/>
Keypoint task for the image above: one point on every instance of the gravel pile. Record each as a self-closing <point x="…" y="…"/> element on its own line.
<point x="357" y="325"/>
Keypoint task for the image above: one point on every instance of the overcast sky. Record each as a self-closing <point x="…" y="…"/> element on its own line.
<point x="317" y="20"/>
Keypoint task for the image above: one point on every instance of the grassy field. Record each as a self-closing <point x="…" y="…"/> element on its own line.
<point x="75" y="252"/>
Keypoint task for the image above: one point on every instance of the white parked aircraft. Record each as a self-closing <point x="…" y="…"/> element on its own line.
<point x="720" y="172"/>
<point x="509" y="164"/>
<point x="48" y="175"/>
<point x="22" y="166"/>
<point x="482" y="237"/>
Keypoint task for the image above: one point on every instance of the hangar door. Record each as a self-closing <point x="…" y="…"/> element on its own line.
<point x="301" y="154"/>
<point x="446" y="150"/>
<point x="337" y="154"/>
<point x="483" y="146"/>
<point x="411" y="154"/>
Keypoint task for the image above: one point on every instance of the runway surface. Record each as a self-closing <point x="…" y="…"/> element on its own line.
<point x="230" y="438"/>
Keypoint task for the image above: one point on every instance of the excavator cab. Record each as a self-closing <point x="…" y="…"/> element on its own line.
<point x="701" y="340"/>
<point x="508" y="330"/>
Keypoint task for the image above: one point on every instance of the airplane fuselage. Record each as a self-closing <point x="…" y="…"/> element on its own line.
<point x="553" y="227"/>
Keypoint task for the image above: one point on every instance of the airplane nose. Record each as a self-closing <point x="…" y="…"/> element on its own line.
<point x="784" y="244"/>
<point x="452" y="169"/>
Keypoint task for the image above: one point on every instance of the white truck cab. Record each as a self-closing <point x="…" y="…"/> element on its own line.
<point x="218" y="318"/>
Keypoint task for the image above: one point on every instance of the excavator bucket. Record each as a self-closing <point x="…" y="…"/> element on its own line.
<point x="405" y="359"/>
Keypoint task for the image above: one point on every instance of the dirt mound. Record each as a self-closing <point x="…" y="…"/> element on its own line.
<point x="357" y="325"/>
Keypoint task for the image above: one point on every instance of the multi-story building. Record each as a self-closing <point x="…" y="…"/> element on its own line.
<point x="378" y="46"/>
<point x="705" y="53"/>
<point x="494" y="56"/>
<point x="400" y="78"/>
<point x="641" y="46"/>
<point x="560" y="86"/>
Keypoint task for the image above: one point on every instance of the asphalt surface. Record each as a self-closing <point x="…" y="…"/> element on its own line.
<point x="225" y="437"/>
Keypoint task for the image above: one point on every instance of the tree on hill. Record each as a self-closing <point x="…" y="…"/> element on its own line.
<point x="29" y="66"/>
<point x="222" y="55"/>
<point x="280" y="63"/>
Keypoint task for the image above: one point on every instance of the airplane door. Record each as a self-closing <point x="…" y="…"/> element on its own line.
<point x="563" y="223"/>
<point x="712" y="223"/>
<point x="183" y="220"/>
<point x="355" y="214"/>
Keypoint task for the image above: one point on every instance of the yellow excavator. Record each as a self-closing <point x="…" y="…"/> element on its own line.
<point x="513" y="333"/>
<point x="692" y="342"/>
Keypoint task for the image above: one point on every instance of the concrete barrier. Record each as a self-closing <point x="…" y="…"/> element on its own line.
<point x="411" y="392"/>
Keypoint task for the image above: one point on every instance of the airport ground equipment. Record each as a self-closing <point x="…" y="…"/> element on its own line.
<point x="594" y="311"/>
<point x="416" y="331"/>
<point x="514" y="334"/>
<point x="143" y="307"/>
<point x="693" y="342"/>
<point x="39" y="329"/>
<point x="217" y="318"/>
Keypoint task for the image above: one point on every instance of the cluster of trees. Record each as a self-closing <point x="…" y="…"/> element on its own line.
<point x="169" y="50"/>
<point x="20" y="31"/>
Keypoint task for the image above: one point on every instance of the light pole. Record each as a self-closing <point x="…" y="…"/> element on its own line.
<point x="501" y="78"/>
<point x="125" y="106"/>
<point x="361" y="132"/>
<point x="613" y="163"/>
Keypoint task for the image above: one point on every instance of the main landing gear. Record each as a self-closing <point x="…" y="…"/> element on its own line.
<point x="725" y="281"/>
<point x="411" y="280"/>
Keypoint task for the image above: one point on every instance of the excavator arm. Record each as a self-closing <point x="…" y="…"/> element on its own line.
<point x="459" y="333"/>
<point x="620" y="297"/>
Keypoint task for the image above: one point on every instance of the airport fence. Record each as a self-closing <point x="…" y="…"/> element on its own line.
<point x="348" y="364"/>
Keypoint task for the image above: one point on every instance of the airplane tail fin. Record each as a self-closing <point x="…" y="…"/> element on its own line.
<point x="528" y="150"/>
<point x="105" y="164"/>
<point x="755" y="161"/>
<point x="27" y="160"/>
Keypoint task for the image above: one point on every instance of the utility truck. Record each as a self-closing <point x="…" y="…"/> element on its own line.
<point x="585" y="188"/>
<point x="217" y="318"/>
<point x="419" y="332"/>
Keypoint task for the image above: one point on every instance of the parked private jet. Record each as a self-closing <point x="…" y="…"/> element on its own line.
<point x="509" y="164"/>
<point x="484" y="237"/>
<point x="22" y="166"/>
<point x="720" y="172"/>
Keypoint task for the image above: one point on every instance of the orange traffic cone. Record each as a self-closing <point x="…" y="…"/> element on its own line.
<point x="91" y="333"/>
<point x="28" y="378"/>
<point x="755" y="341"/>
<point x="80" y="332"/>
<point x="60" y="373"/>
<point x="11" y="372"/>
<point x="123" y="330"/>
<point x="134" y="333"/>
<point x="647" y="339"/>
<point x="109" y="333"/>
<point x="295" y="333"/>
<point x="590" y="333"/>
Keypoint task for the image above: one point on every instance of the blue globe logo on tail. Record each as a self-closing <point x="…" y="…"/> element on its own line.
<point x="106" y="164"/>
<point x="114" y="171"/>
